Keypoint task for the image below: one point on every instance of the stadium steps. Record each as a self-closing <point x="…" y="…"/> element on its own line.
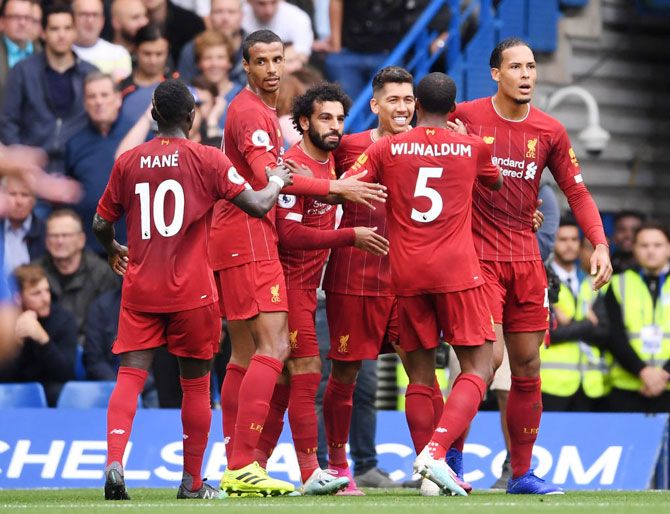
<point x="623" y="58"/>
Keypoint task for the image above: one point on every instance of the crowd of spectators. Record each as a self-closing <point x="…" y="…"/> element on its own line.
<point x="76" y="80"/>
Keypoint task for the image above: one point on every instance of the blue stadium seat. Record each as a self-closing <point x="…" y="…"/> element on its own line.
<point x="79" y="369"/>
<point x="28" y="394"/>
<point x="85" y="395"/>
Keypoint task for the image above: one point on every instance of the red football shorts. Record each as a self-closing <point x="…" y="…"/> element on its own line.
<point x="251" y="288"/>
<point x="463" y="318"/>
<point x="194" y="333"/>
<point x="301" y="322"/>
<point x="361" y="327"/>
<point x="517" y="295"/>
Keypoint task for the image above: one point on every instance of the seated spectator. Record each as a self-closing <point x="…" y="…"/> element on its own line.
<point x="207" y="98"/>
<point x="89" y="154"/>
<point x="22" y="234"/>
<point x="76" y="276"/>
<point x="17" y="39"/>
<point x="293" y="85"/>
<point x="109" y="58"/>
<point x="214" y="53"/>
<point x="101" y="328"/>
<point x="292" y="60"/>
<point x="128" y="16"/>
<point x="625" y="225"/>
<point x="46" y="336"/>
<point x="289" y="22"/>
<point x="43" y="100"/>
<point x="179" y="24"/>
<point x="151" y="54"/>
<point x="639" y="338"/>
<point x="225" y="18"/>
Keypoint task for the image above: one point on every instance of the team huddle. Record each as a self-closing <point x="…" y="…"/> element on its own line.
<point x="435" y="244"/>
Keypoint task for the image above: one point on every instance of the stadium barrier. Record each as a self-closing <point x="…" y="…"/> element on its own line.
<point x="66" y="448"/>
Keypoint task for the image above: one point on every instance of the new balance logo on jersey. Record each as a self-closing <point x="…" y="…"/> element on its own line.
<point x="274" y="291"/>
<point x="441" y="430"/>
<point x="531" y="169"/>
<point x="117" y="431"/>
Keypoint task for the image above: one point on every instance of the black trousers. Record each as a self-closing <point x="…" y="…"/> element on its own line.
<point x="632" y="401"/>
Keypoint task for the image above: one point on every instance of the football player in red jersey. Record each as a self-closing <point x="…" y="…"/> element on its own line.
<point x="430" y="173"/>
<point x="306" y="228"/>
<point x="523" y="140"/>
<point x="167" y="188"/>
<point x="358" y="285"/>
<point x="243" y="252"/>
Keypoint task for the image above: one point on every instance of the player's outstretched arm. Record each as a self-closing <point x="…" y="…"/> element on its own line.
<point x="258" y="203"/>
<point x="117" y="254"/>
<point x="352" y="189"/>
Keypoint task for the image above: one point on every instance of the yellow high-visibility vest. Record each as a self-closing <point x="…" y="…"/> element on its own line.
<point x="639" y="314"/>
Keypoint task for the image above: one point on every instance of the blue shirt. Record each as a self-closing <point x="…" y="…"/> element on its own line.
<point x="89" y="157"/>
<point x="15" y="53"/>
<point x="229" y="97"/>
<point x="137" y="102"/>
<point x="16" y="247"/>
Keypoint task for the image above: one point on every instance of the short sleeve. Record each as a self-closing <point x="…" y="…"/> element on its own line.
<point x="562" y="161"/>
<point x="228" y="183"/>
<point x="487" y="172"/>
<point x="110" y="206"/>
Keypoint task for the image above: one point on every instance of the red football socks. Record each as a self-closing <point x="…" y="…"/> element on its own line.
<point x="230" y="393"/>
<point x="254" y="403"/>
<point x="302" y="417"/>
<point x="274" y="424"/>
<point x="121" y="410"/>
<point x="419" y="414"/>
<point x="524" y="411"/>
<point x="196" y="418"/>
<point x="338" y="403"/>
<point x="438" y="402"/>
<point x="461" y="407"/>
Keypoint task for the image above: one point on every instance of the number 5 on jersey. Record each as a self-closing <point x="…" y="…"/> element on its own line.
<point x="422" y="189"/>
<point x="174" y="187"/>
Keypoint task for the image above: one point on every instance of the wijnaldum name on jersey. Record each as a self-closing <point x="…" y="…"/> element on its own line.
<point x="432" y="150"/>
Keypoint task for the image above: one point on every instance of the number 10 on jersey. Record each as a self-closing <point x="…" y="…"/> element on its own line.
<point x="142" y="189"/>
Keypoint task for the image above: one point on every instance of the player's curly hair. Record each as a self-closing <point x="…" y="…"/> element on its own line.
<point x="391" y="74"/>
<point x="171" y="103"/>
<point x="436" y="93"/>
<point x="496" y="55"/>
<point x="303" y="105"/>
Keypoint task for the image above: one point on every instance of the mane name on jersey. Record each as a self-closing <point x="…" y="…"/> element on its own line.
<point x="432" y="150"/>
<point x="170" y="160"/>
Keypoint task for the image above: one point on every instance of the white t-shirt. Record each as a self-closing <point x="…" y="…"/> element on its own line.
<point x="107" y="57"/>
<point x="291" y="24"/>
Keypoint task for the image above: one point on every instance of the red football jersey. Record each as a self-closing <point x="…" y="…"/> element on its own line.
<point x="303" y="268"/>
<point x="502" y="221"/>
<point x="430" y="174"/>
<point x="251" y="132"/>
<point x="167" y="188"/>
<point x="350" y="270"/>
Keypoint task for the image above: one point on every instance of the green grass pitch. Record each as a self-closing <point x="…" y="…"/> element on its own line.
<point x="72" y="501"/>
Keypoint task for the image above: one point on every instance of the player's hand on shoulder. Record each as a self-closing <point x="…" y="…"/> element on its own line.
<point x="457" y="126"/>
<point x="118" y="261"/>
<point x="367" y="239"/>
<point x="298" y="169"/>
<point x="282" y="172"/>
<point x="351" y="188"/>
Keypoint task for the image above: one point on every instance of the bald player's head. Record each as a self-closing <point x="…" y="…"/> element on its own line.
<point x="436" y="94"/>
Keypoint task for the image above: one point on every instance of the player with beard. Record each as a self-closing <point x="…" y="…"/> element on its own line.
<point x="430" y="173"/>
<point x="358" y="285"/>
<point x="306" y="228"/>
<point x="523" y="140"/>
<point x="243" y="252"/>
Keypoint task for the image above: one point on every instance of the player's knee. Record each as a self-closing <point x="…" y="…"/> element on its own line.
<point x="345" y="371"/>
<point x="304" y="365"/>
<point x="526" y="366"/>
